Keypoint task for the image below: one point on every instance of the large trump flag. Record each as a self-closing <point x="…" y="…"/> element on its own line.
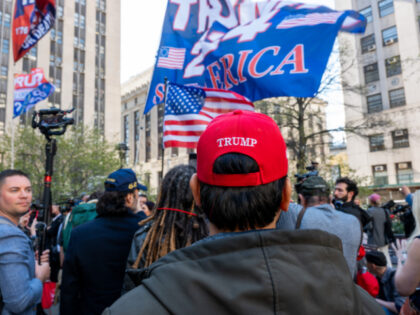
<point x="257" y="49"/>
<point x="31" y="21"/>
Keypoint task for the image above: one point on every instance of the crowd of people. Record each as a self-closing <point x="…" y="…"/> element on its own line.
<point x="222" y="238"/>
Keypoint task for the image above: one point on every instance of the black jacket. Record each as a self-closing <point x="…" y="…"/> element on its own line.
<point x="257" y="272"/>
<point x="95" y="262"/>
<point x="352" y="208"/>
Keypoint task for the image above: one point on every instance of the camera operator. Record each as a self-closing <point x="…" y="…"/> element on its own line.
<point x="21" y="276"/>
<point x="345" y="193"/>
<point x="318" y="213"/>
<point x="52" y="241"/>
<point x="380" y="229"/>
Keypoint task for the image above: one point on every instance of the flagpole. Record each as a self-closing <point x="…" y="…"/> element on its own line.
<point x="163" y="146"/>
<point x="13" y="145"/>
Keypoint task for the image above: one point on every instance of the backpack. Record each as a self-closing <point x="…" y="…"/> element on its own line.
<point x="80" y="214"/>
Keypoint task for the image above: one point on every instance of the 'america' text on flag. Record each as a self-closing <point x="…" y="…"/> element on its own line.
<point x="188" y="111"/>
<point x="258" y="49"/>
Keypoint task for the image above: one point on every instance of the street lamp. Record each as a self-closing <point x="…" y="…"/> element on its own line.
<point x="122" y="151"/>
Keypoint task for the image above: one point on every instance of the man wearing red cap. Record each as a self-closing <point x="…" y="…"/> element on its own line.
<point x="247" y="266"/>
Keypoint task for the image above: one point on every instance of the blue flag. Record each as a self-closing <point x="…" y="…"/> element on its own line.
<point x="259" y="50"/>
<point x="30" y="89"/>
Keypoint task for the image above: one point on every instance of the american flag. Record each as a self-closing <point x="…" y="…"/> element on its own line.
<point x="188" y="111"/>
<point x="309" y="19"/>
<point x="171" y="58"/>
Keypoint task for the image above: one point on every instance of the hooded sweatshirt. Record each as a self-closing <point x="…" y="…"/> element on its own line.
<point x="256" y="272"/>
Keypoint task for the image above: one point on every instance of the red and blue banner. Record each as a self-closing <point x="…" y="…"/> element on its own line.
<point x="30" y="89"/>
<point x="31" y="21"/>
<point x="257" y="49"/>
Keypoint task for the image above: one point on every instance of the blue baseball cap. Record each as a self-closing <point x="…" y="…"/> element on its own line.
<point x="123" y="179"/>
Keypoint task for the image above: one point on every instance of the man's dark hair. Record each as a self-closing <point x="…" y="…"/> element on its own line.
<point x="316" y="196"/>
<point x="95" y="195"/>
<point x="112" y="203"/>
<point x="143" y="195"/>
<point x="9" y="173"/>
<point x="231" y="208"/>
<point x="351" y="186"/>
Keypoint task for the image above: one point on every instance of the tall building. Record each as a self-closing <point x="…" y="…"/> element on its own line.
<point x="386" y="64"/>
<point x="143" y="133"/>
<point x="80" y="55"/>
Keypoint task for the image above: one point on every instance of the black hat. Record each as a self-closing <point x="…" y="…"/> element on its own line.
<point x="376" y="257"/>
<point x="314" y="183"/>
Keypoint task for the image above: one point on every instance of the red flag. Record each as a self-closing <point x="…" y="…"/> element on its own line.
<point x="188" y="111"/>
<point x="31" y="21"/>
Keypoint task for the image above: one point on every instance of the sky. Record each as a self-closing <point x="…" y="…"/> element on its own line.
<point x="141" y="27"/>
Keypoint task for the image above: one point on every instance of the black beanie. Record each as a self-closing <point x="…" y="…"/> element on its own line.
<point x="376" y="257"/>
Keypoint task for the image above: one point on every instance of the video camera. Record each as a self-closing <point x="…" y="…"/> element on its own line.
<point x="66" y="205"/>
<point x="300" y="178"/>
<point x="405" y="215"/>
<point x="52" y="121"/>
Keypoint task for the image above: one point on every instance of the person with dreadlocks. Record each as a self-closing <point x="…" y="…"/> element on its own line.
<point x="246" y="265"/>
<point x="176" y="223"/>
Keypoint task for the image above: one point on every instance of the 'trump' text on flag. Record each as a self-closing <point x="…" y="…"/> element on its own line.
<point x="257" y="49"/>
<point x="188" y="111"/>
<point x="30" y="89"/>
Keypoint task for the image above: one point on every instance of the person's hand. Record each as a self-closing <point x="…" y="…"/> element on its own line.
<point x="405" y="190"/>
<point x="42" y="270"/>
<point x="400" y="249"/>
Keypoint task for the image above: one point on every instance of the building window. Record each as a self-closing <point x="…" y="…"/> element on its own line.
<point x="393" y="66"/>
<point x="404" y="173"/>
<point x="389" y="36"/>
<point x="174" y="151"/>
<point x="2" y="114"/>
<point x="400" y="139"/>
<point x="371" y="73"/>
<point x="374" y="103"/>
<point x="3" y="86"/>
<point x="380" y="175"/>
<point x="376" y="143"/>
<point x="4" y="71"/>
<point x="396" y="98"/>
<point x="386" y="7"/>
<point x="136" y="135"/>
<point x="368" y="43"/>
<point x="367" y="12"/>
<point x="161" y="115"/>
<point x="148" y="138"/>
<point x="126" y="130"/>
<point x="5" y="46"/>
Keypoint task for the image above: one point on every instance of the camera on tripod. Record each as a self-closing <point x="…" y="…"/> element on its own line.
<point x="50" y="122"/>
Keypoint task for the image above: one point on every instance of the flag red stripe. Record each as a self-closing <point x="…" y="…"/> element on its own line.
<point x="179" y="144"/>
<point x="182" y="133"/>
<point x="226" y="99"/>
<point x="186" y="122"/>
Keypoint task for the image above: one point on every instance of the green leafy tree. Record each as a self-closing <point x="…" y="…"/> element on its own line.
<point x="82" y="162"/>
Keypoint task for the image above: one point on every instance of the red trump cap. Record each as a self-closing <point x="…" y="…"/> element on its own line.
<point x="253" y="134"/>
